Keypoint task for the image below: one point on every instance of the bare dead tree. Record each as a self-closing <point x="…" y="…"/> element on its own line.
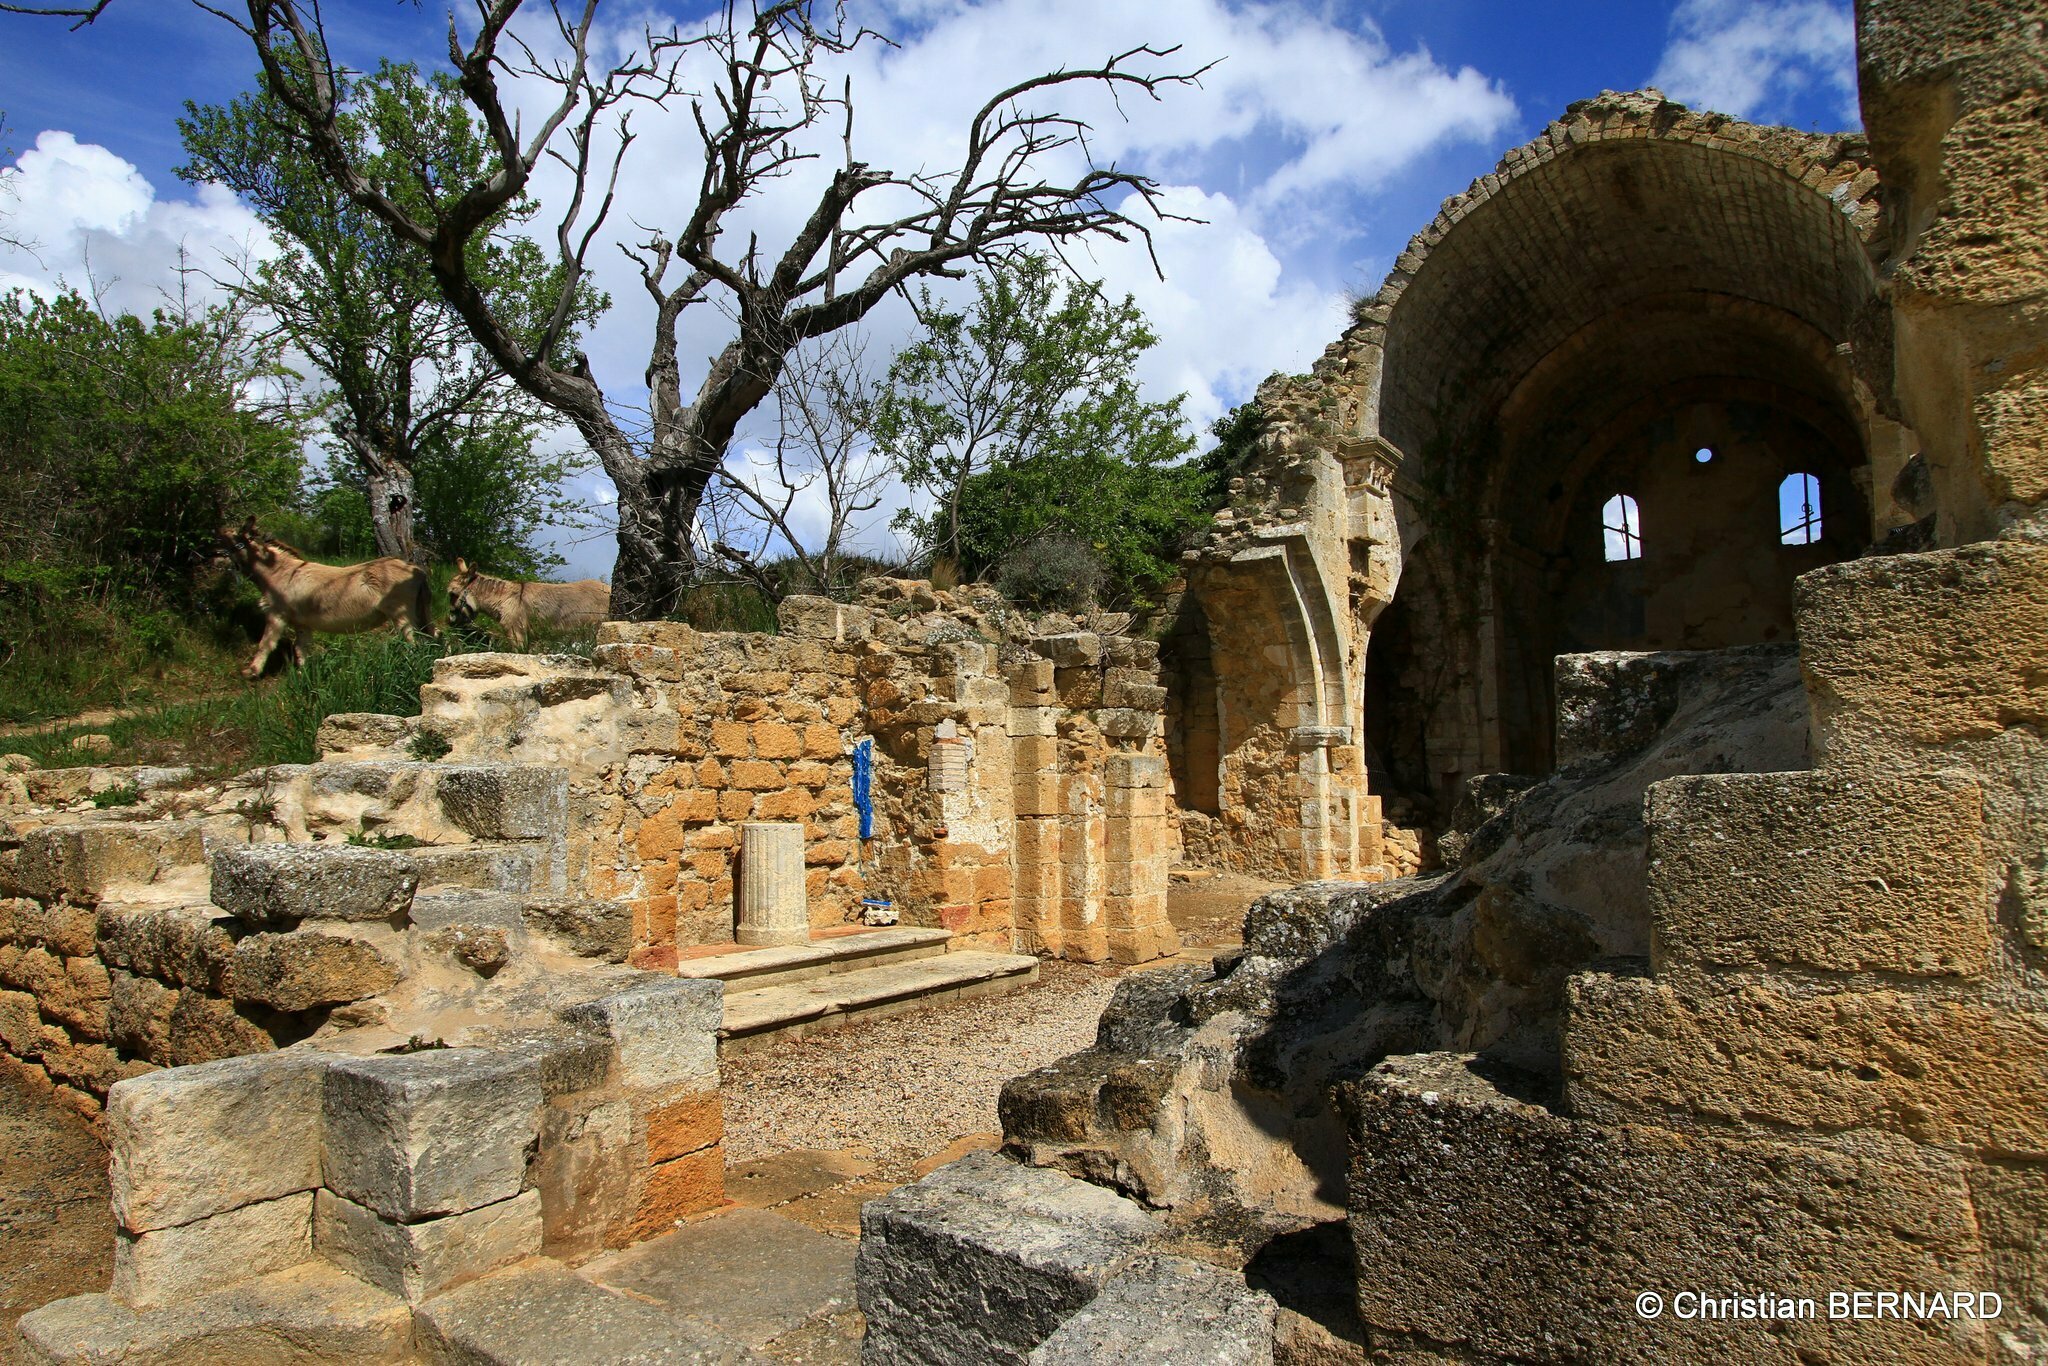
<point x="768" y="102"/>
<point x="84" y="14"/>
<point x="821" y="458"/>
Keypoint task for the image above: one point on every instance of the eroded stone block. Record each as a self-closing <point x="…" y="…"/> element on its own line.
<point x="1819" y="871"/>
<point x="664" y="1030"/>
<point x="504" y="801"/>
<point x="984" y="1258"/>
<point x="267" y="884"/>
<point x="1167" y="1309"/>
<point x="306" y="969"/>
<point x="435" y="1132"/>
<point x="165" y="1265"/>
<point x="425" y="1258"/>
<point x="191" y="1142"/>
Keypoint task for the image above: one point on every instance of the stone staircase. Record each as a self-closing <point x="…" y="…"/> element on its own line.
<point x="788" y="991"/>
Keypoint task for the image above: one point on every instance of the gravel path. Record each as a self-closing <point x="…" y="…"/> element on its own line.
<point x="908" y="1085"/>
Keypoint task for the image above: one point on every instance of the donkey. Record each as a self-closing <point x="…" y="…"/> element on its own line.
<point x="300" y="596"/>
<point x="519" y="605"/>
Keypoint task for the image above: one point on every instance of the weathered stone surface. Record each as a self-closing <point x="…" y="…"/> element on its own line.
<point x="1815" y="871"/>
<point x="466" y="906"/>
<point x="362" y="734"/>
<point x="664" y="1030"/>
<point x="584" y="1172"/>
<point x="86" y="860"/>
<point x="312" y="1315"/>
<point x="435" y="1132"/>
<point x="542" y="1315"/>
<point x="483" y="949"/>
<point x="267" y="884"/>
<point x="305" y="969"/>
<point x="1906" y="652"/>
<point x="595" y="929"/>
<point x="504" y="801"/>
<point x="983" y="1259"/>
<point x="749" y="1274"/>
<point x="20" y="1023"/>
<point x="165" y="1265"/>
<point x="1161" y="1309"/>
<point x="1948" y="1073"/>
<point x="422" y="1259"/>
<point x="181" y="945"/>
<point x="1499" y="1231"/>
<point x="191" y="1142"/>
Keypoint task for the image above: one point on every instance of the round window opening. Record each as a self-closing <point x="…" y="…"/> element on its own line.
<point x="1703" y="454"/>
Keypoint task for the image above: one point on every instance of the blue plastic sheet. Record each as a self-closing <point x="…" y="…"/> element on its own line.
<point x="863" y="778"/>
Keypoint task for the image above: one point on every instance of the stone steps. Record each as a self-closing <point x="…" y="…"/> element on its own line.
<point x="753" y="969"/>
<point x="754" y="1017"/>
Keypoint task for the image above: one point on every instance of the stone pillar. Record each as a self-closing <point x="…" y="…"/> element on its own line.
<point x="773" y="908"/>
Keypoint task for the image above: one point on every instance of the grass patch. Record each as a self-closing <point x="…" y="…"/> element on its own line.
<point x="267" y="722"/>
<point x="125" y="795"/>
<point x="428" y="745"/>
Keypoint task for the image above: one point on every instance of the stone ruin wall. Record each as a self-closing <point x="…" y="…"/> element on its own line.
<point x="1020" y="801"/>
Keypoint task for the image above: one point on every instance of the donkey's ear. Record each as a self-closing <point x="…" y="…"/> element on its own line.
<point x="249" y="526"/>
<point x="461" y="565"/>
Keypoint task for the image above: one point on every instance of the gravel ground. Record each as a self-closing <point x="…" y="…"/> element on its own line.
<point x="907" y="1086"/>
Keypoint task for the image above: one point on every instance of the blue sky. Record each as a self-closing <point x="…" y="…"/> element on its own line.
<point x="1327" y="135"/>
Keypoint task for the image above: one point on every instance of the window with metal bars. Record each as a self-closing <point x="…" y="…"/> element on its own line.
<point x="1799" y="510"/>
<point x="1623" y="526"/>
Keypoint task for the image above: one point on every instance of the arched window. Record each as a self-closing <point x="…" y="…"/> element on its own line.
<point x="1624" y="528"/>
<point x="1799" y="509"/>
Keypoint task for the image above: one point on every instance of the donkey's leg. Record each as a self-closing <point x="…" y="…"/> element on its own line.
<point x="273" y="631"/>
<point x="298" y="650"/>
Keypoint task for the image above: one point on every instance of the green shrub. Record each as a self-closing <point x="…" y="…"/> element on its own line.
<point x="1054" y="571"/>
<point x="125" y="795"/>
<point x="428" y="745"/>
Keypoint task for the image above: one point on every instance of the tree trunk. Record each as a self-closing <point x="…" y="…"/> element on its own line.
<point x="390" y="491"/>
<point x="388" y="484"/>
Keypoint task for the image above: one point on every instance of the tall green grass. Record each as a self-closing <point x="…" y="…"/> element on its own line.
<point x="266" y="722"/>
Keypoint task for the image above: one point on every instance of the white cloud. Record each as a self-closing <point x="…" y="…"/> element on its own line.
<point x="1751" y="58"/>
<point x="91" y="221"/>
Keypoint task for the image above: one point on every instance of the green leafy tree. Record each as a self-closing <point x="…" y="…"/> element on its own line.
<point x="421" y="414"/>
<point x="1020" y="417"/>
<point x="126" y="444"/>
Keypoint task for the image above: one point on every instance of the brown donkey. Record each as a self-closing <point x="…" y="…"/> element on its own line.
<point x="300" y="596"/>
<point x="520" y="605"/>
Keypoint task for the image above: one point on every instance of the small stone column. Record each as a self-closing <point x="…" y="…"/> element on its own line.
<point x="773" y="907"/>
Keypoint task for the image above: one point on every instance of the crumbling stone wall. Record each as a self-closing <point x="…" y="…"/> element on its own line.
<point x="1019" y="786"/>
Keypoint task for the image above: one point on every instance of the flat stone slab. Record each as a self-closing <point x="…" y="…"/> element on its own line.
<point x="749" y="1274"/>
<point x="1167" y="1309"/>
<point x="540" y="1314"/>
<point x="311" y="1314"/>
<point x="751" y="968"/>
<point x="831" y="1000"/>
<point x="783" y="1177"/>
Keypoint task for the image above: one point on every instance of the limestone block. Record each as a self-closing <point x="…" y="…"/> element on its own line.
<point x="1818" y="871"/>
<point x="1123" y="723"/>
<point x="803" y="617"/>
<point x="435" y="1132"/>
<point x="1949" y="1073"/>
<point x="669" y="1192"/>
<point x="86" y="860"/>
<point x="204" y="1028"/>
<point x="268" y="884"/>
<point x="166" y="1265"/>
<point x="684" y="1124"/>
<point x="190" y="1142"/>
<point x="984" y="1258"/>
<point x="1904" y="652"/>
<point x="1492" y="1224"/>
<point x="1075" y="650"/>
<point x="305" y="969"/>
<point x="546" y="1313"/>
<point x="422" y="1259"/>
<point x="504" y="801"/>
<point x="663" y="1030"/>
<point x="310" y="1315"/>
<point x="772" y="907"/>
<point x="184" y="945"/>
<point x="20" y="1023"/>
<point x="584" y="1173"/>
<point x="1167" y="1309"/>
<point x="362" y="735"/>
<point x="139" y="1011"/>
